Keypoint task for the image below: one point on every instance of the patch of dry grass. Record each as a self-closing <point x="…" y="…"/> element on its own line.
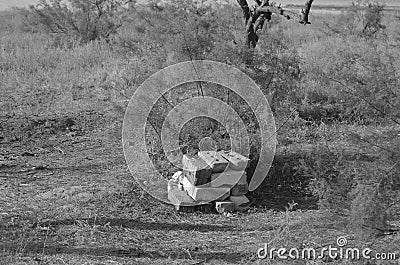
<point x="67" y="196"/>
<point x="85" y="208"/>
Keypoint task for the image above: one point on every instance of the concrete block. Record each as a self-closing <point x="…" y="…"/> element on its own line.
<point x="176" y="177"/>
<point x="205" y="192"/>
<point x="236" y="161"/>
<point x="229" y="177"/>
<point x="240" y="189"/>
<point x="183" y="202"/>
<point x="171" y="185"/>
<point x="205" y="208"/>
<point x="196" y="170"/>
<point x="224" y="206"/>
<point x="185" y="209"/>
<point x="179" y="197"/>
<point x="214" y="160"/>
<point x="239" y="201"/>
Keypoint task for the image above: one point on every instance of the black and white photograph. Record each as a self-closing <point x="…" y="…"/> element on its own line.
<point x="199" y="132"/>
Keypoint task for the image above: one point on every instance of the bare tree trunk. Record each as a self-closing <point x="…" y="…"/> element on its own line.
<point x="256" y="17"/>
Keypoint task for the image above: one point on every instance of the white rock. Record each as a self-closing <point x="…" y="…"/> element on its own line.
<point x="176" y="177"/>
<point x="236" y="161"/>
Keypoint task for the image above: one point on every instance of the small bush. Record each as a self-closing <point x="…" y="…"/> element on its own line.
<point x="364" y="188"/>
<point x="77" y="20"/>
<point x="363" y="18"/>
<point x="360" y="75"/>
<point x="368" y="214"/>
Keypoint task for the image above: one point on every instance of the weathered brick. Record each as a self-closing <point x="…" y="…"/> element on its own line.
<point x="196" y="170"/>
<point x="171" y="185"/>
<point x="179" y="197"/>
<point x="183" y="202"/>
<point x="224" y="206"/>
<point x="185" y="209"/>
<point x="205" y="208"/>
<point x="214" y="160"/>
<point x="205" y="192"/>
<point x="176" y="176"/>
<point x="229" y="177"/>
<point x="239" y="201"/>
<point x="236" y="161"/>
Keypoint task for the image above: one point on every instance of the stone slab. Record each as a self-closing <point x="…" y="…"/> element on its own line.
<point x="214" y="160"/>
<point x="196" y="170"/>
<point x="179" y="197"/>
<point x="205" y="208"/>
<point x="171" y="185"/>
<point x="183" y="202"/>
<point x="229" y="177"/>
<point x="236" y="161"/>
<point x="224" y="206"/>
<point x="205" y="192"/>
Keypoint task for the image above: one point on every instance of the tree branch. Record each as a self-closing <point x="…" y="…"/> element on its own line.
<point x="279" y="11"/>
<point x="245" y="9"/>
<point x="259" y="24"/>
<point x="255" y="19"/>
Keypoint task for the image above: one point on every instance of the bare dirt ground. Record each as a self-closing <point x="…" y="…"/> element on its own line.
<point x="67" y="197"/>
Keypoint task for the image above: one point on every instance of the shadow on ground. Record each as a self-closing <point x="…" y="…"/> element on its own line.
<point x="204" y="255"/>
<point x="39" y="245"/>
<point x="138" y="225"/>
<point x="284" y="184"/>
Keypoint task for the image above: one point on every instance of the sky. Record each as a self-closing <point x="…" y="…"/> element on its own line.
<point x="4" y="4"/>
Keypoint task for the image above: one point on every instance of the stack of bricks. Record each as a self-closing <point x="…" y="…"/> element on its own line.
<point x="210" y="180"/>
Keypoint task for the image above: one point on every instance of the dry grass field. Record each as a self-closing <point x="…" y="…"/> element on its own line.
<point x="67" y="196"/>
